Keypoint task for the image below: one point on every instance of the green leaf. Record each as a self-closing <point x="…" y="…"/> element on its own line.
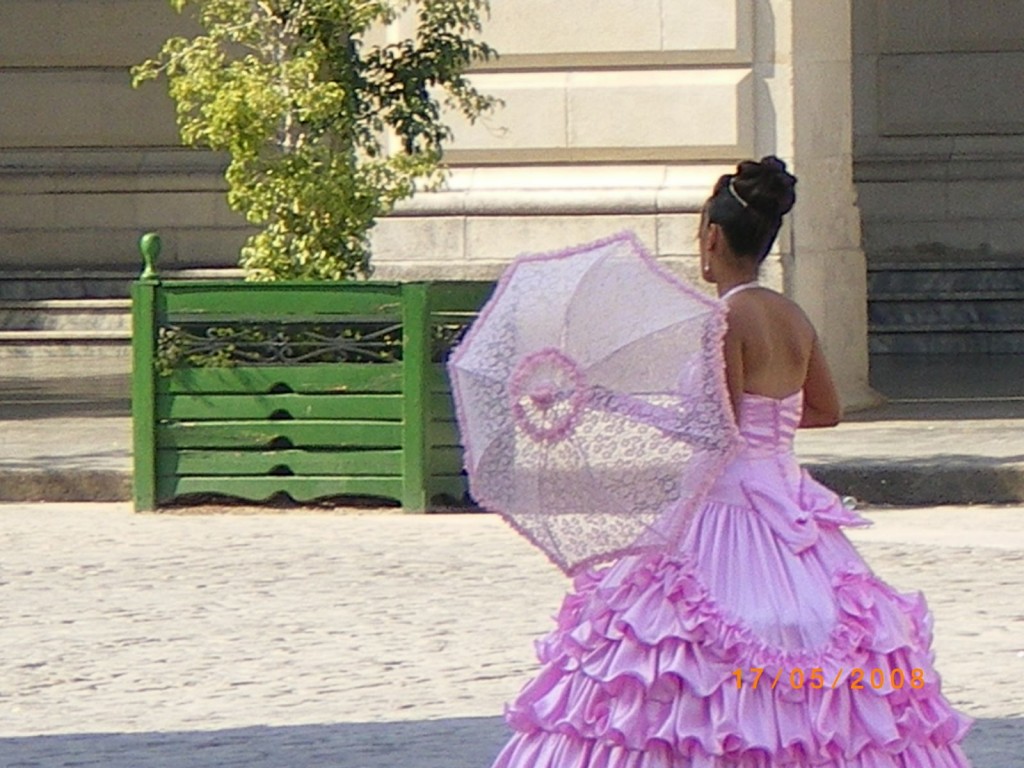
<point x="303" y="107"/>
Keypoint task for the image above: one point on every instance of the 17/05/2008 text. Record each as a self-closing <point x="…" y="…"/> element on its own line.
<point x="815" y="678"/>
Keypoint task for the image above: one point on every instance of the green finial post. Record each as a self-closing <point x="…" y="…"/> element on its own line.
<point x="149" y="244"/>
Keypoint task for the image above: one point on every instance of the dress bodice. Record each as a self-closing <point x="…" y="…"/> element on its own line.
<point x="768" y="424"/>
<point x="766" y="478"/>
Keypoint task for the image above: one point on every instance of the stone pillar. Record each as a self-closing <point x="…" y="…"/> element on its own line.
<point x="825" y="268"/>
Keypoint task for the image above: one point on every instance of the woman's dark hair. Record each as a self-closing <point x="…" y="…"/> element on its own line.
<point x="749" y="205"/>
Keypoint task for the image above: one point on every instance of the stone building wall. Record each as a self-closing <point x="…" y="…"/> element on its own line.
<point x="619" y="114"/>
<point x="613" y="119"/>
<point x="939" y="126"/>
<point x="618" y="118"/>
<point x="86" y="162"/>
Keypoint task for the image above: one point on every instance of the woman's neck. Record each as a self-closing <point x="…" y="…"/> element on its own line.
<point x="731" y="282"/>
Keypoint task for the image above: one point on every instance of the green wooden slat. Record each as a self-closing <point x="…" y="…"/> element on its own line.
<point x="453" y="316"/>
<point x="416" y="357"/>
<point x="322" y="377"/>
<point x="255" y="406"/>
<point x="244" y="300"/>
<point x="144" y="491"/>
<point x="437" y="378"/>
<point x="442" y="407"/>
<point x="445" y="460"/>
<point x="452" y="487"/>
<point x="226" y="462"/>
<point x="445" y="436"/>
<point x="442" y="433"/>
<point x="255" y="434"/>
<point x="299" y="488"/>
<point x="459" y="295"/>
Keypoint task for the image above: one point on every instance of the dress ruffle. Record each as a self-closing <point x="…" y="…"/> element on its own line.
<point x="641" y="672"/>
<point x="653" y="660"/>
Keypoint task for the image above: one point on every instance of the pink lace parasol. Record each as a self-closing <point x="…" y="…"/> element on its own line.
<point x="592" y="402"/>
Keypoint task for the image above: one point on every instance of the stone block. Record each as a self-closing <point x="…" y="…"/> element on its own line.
<point x="950" y="93"/>
<point x="605" y="116"/>
<point x="437" y="270"/>
<point x="677" y="237"/>
<point x="83" y="108"/>
<point x="822" y="31"/>
<point x="902" y="27"/>
<point x="826" y="214"/>
<point x="901" y="200"/>
<point x="950" y="25"/>
<point x="996" y="235"/>
<point x="197" y="247"/>
<point x="95" y="33"/>
<point x="864" y="78"/>
<point x="572" y="34"/>
<point x="18" y="212"/>
<point x="534" y="116"/>
<point x="660" y="109"/>
<point x="80" y="248"/>
<point x="185" y="208"/>
<point x="504" y="238"/>
<point x="824" y="106"/>
<point x="572" y="26"/>
<point x="419" y="239"/>
<point x="687" y="270"/>
<point x="696" y="25"/>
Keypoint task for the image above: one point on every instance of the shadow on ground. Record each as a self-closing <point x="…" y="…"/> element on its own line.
<point x="915" y="482"/>
<point x="448" y="743"/>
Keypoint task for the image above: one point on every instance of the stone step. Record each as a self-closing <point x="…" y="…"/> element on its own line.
<point x="955" y="305"/>
<point x="65" y="314"/>
<point x="949" y="328"/>
<point x="945" y="278"/>
<point x="945" y="282"/>
<point x="956" y="263"/>
<point x="99" y="336"/>
<point x="945" y="342"/>
<point x="885" y="296"/>
<point x="70" y="344"/>
<point x="33" y="285"/>
<point x="966" y="314"/>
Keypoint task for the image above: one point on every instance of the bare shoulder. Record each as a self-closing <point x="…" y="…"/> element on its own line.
<point x="752" y="309"/>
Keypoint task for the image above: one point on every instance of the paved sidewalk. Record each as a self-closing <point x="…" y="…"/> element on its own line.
<point x="374" y="641"/>
<point x="952" y="432"/>
<point x="66" y="427"/>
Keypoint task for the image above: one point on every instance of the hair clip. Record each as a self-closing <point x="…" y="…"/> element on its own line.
<point x="735" y="194"/>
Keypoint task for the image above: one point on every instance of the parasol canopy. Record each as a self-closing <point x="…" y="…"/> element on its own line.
<point x="591" y="400"/>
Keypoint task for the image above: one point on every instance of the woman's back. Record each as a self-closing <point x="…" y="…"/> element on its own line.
<point x="775" y="341"/>
<point x="771" y="350"/>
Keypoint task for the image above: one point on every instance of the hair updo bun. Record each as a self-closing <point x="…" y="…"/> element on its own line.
<point x="749" y="205"/>
<point x="766" y="186"/>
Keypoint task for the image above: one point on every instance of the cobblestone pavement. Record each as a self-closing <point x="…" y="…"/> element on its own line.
<point x="374" y="640"/>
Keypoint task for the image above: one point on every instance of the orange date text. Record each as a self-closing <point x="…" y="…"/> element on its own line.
<point x="815" y="678"/>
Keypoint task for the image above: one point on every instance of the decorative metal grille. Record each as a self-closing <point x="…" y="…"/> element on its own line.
<point x="446" y="337"/>
<point x="228" y="344"/>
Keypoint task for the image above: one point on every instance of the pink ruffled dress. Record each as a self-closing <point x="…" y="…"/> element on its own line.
<point x="654" y="661"/>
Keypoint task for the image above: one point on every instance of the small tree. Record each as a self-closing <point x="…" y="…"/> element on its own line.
<point x="325" y="133"/>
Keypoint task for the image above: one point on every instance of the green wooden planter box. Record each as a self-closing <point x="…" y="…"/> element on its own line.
<point x="342" y="394"/>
